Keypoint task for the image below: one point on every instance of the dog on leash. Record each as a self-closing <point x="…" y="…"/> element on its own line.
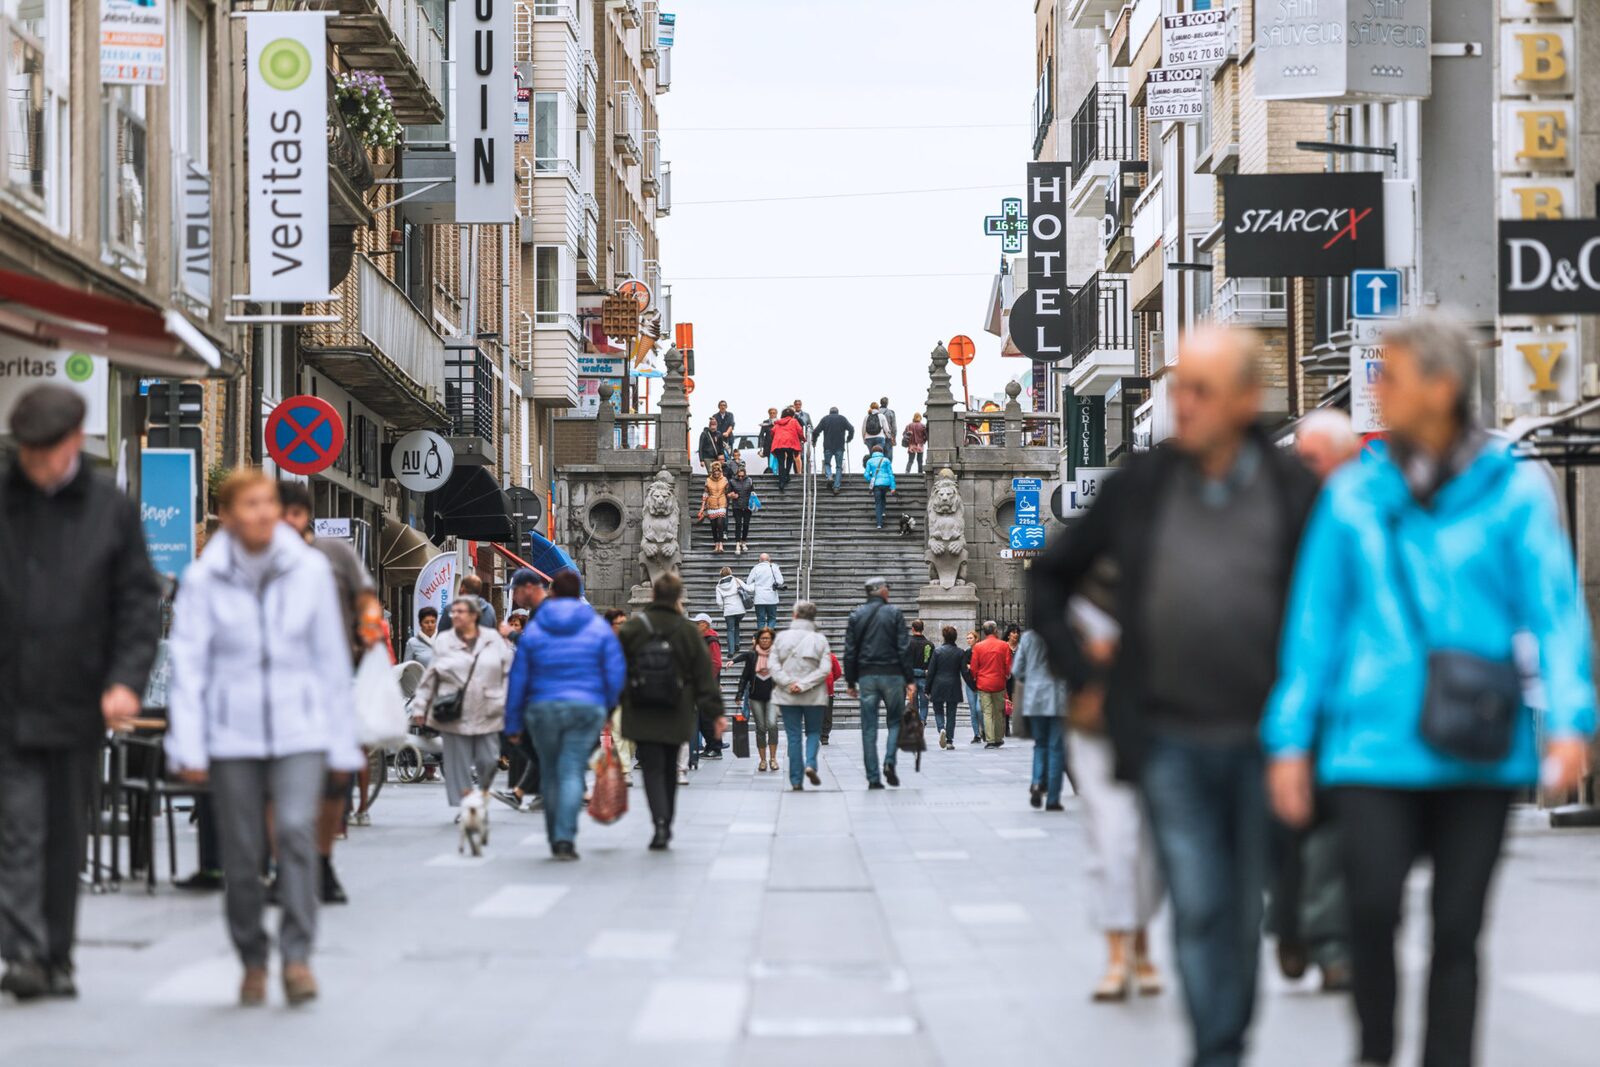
<point x="908" y="526"/>
<point x="474" y="824"/>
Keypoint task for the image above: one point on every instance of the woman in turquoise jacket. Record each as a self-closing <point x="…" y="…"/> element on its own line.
<point x="1444" y="543"/>
<point x="879" y="473"/>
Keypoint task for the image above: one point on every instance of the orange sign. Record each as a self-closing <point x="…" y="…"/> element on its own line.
<point x="638" y="290"/>
<point x="688" y="386"/>
<point x="684" y="335"/>
<point x="962" y="350"/>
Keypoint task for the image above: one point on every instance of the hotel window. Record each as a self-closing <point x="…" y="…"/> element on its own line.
<point x="34" y="115"/>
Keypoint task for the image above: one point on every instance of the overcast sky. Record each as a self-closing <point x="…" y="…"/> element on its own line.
<point x="899" y="64"/>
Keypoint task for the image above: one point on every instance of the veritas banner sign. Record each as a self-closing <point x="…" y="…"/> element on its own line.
<point x="1343" y="49"/>
<point x="1039" y="323"/>
<point x="485" y="91"/>
<point x="286" y="100"/>
<point x="1550" y="267"/>
<point x="1302" y="225"/>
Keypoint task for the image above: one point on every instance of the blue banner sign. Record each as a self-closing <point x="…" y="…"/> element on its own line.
<point x="166" y="507"/>
<point x="1027" y="537"/>
<point x="1027" y="492"/>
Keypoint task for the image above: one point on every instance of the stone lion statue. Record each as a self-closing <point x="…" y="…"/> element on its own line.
<point x="947" y="540"/>
<point x="658" y="553"/>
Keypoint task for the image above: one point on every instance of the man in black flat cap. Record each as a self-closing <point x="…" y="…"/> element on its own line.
<point x="73" y="565"/>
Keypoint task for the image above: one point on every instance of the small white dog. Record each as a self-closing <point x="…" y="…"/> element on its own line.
<point x="474" y="824"/>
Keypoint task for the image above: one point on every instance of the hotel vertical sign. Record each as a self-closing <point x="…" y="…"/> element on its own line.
<point x="286" y="102"/>
<point x="1039" y="322"/>
<point x="484" y="105"/>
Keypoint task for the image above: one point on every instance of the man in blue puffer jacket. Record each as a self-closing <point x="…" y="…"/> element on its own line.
<point x="566" y="678"/>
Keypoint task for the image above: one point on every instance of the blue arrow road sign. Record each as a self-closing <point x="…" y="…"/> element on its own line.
<point x="1027" y="537"/>
<point x="1026" y="493"/>
<point x="1375" y="294"/>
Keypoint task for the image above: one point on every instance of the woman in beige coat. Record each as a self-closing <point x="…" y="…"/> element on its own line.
<point x="800" y="664"/>
<point x="463" y="696"/>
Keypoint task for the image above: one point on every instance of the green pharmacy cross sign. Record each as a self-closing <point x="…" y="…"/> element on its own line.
<point x="1011" y="225"/>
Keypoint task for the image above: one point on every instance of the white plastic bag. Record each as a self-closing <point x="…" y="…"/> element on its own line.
<point x="380" y="707"/>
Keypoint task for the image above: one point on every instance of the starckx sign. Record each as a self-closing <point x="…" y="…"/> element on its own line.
<point x="1302" y="225"/>
<point x="1039" y="323"/>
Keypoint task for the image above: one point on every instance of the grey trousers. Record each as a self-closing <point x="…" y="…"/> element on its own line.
<point x="241" y="790"/>
<point x="44" y="816"/>
<point x="462" y="754"/>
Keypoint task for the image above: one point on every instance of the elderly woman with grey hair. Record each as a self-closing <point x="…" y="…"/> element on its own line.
<point x="1431" y="579"/>
<point x="800" y="663"/>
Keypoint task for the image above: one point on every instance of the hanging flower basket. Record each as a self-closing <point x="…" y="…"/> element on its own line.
<point x="367" y="108"/>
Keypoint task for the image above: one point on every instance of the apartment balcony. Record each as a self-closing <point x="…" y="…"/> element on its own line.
<point x="627" y="123"/>
<point x="664" y="71"/>
<point x="395" y="38"/>
<point x="652" y="278"/>
<point x="349" y="173"/>
<point x="664" y="193"/>
<point x="470" y="400"/>
<point x="1044" y="110"/>
<point x="382" y="351"/>
<point x="650" y="177"/>
<point x="631" y="12"/>
<point x="1090" y="14"/>
<point x="649" y="49"/>
<point x="1105" y="134"/>
<point x="627" y="259"/>
<point x="1259" y="302"/>
<point x="588" y="85"/>
<point x="554" y="11"/>
<point x="1102" y="334"/>
<point x="591" y="257"/>
<point x="549" y="360"/>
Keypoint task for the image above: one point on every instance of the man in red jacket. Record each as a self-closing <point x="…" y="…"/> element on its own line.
<point x="835" y="672"/>
<point x="991" y="667"/>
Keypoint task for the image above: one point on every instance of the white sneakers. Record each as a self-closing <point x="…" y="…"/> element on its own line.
<point x="683" y="777"/>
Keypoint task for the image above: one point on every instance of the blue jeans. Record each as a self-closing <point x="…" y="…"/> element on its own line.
<point x="944" y="717"/>
<point x="921" y="678"/>
<point x="888" y="690"/>
<point x="1049" y="754"/>
<point x="564" y="734"/>
<point x="766" y="617"/>
<point x="808" y="716"/>
<point x="880" y="496"/>
<point x="730" y="625"/>
<point x="1208" y="813"/>
<point x="975" y="708"/>
<point x="833" y="458"/>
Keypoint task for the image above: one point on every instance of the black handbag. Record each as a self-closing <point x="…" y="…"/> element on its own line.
<point x="1470" y="703"/>
<point x="448" y="708"/>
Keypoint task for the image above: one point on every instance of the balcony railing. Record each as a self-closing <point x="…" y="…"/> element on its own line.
<point x="652" y="278"/>
<point x="1252" y="302"/>
<point x="628" y="261"/>
<point x="1044" y="111"/>
<point x="1100" y="316"/>
<point x="664" y="194"/>
<point x="627" y="122"/>
<point x="649" y="50"/>
<point x="589" y="253"/>
<point x="397" y="39"/>
<point x="1104" y="127"/>
<point x="664" y="71"/>
<point x="469" y="393"/>
<point x="650" y="177"/>
<point x="556" y="10"/>
<point x="588" y="80"/>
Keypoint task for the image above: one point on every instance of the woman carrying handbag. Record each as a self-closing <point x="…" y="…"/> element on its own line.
<point x="464" y="692"/>
<point x="714" y="505"/>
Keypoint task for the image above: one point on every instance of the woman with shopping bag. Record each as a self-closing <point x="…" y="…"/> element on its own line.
<point x="261" y="708"/>
<point x="462" y="694"/>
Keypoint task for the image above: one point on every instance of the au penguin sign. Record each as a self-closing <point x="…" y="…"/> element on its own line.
<point x="1039" y="321"/>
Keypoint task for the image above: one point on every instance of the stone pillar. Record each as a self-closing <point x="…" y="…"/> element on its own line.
<point x="673" y="439"/>
<point x="605" y="421"/>
<point x="944" y="434"/>
<point x="1013" y="421"/>
<point x="939" y="607"/>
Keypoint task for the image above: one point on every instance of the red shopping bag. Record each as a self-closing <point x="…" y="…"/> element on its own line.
<point x="609" y="801"/>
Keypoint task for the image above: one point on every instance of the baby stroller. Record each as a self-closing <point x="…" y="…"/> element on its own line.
<point x="422" y="749"/>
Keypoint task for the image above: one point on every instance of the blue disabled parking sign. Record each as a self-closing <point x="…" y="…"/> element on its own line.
<point x="1375" y="294"/>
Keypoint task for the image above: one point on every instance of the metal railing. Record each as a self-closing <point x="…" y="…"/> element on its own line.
<point x="523" y="353"/>
<point x="397" y="330"/>
<point x="555" y="9"/>
<point x="649" y="49"/>
<point x="589" y="254"/>
<point x="588" y="83"/>
<point x="422" y="40"/>
<point x="1044" y="111"/>
<point x="1100" y="316"/>
<point x="1038" y="429"/>
<point x="627" y="122"/>
<point x="650" y="175"/>
<point x="1252" y="302"/>
<point x="652" y="278"/>
<point x="1104" y="127"/>
<point x="664" y="193"/>
<point x="629" y="259"/>
<point x="469" y="393"/>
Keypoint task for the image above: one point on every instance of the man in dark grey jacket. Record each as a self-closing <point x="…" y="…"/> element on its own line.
<point x="85" y="602"/>
<point x="877" y="668"/>
<point x="836" y="432"/>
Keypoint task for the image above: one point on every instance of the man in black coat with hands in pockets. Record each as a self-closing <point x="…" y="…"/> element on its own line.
<point x="75" y="576"/>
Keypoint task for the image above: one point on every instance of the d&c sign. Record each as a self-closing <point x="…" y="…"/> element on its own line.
<point x="1302" y="225"/>
<point x="1550" y="267"/>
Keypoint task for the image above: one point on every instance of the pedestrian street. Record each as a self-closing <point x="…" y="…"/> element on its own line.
<point x="941" y="923"/>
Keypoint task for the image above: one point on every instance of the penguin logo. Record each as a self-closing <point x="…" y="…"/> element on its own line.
<point x="432" y="463"/>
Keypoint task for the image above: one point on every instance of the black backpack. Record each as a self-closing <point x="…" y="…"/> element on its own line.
<point x="653" y="682"/>
<point x="874" y="425"/>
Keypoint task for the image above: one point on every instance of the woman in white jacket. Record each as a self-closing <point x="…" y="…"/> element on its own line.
<point x="261" y="707"/>
<point x="730" y="598"/>
<point x="800" y="663"/>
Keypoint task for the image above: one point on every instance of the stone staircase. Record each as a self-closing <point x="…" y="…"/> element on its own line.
<point x="849" y="550"/>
